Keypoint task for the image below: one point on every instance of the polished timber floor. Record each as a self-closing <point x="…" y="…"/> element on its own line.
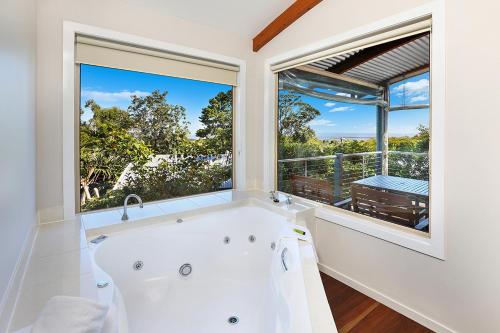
<point x="355" y="312"/>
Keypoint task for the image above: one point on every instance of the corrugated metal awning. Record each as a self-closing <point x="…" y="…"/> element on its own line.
<point x="385" y="66"/>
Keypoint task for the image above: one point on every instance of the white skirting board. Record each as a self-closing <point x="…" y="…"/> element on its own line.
<point x="386" y="300"/>
<point x="9" y="300"/>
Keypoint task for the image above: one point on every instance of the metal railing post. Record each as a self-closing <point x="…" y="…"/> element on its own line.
<point x="338" y="175"/>
<point x="364" y="166"/>
<point x="305" y="168"/>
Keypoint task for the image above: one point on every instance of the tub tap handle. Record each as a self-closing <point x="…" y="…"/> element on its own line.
<point x="284" y="257"/>
<point x="273" y="196"/>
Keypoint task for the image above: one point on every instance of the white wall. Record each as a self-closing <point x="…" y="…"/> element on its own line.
<point x="17" y="133"/>
<point x="116" y="15"/>
<point x="463" y="292"/>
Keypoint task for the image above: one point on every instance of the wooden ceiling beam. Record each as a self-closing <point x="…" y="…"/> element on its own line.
<point x="372" y="52"/>
<point x="283" y="21"/>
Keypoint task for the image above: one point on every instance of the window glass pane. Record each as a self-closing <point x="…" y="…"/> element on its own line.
<point x="408" y="129"/>
<point x="358" y="139"/>
<point x="156" y="136"/>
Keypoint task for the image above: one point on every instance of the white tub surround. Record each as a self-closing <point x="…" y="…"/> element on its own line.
<point x="59" y="265"/>
<point x="234" y="277"/>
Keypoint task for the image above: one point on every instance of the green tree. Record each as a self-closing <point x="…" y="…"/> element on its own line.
<point x="162" y="126"/>
<point x="217" y="119"/>
<point x="294" y="114"/>
<point x="422" y="137"/>
<point x="106" y="147"/>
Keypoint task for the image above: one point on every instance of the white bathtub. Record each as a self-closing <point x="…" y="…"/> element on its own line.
<point x="259" y="283"/>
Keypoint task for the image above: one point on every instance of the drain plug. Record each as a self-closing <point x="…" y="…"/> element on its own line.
<point x="138" y="265"/>
<point x="233" y="320"/>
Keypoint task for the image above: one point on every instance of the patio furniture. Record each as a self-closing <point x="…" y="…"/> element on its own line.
<point x="399" y="200"/>
<point x="312" y="188"/>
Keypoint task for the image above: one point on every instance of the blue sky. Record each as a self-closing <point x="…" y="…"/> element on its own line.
<point x="113" y="87"/>
<point x="343" y="119"/>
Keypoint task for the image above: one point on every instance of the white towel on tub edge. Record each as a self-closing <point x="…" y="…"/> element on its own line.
<point x="65" y="314"/>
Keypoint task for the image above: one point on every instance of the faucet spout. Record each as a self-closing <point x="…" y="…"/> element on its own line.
<point x="125" y="204"/>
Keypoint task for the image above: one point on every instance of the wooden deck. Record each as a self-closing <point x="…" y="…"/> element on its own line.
<point x="355" y="312"/>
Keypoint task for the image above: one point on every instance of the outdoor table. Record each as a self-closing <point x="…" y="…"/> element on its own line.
<point x="415" y="187"/>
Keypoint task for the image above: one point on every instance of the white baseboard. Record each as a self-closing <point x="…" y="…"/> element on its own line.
<point x="386" y="300"/>
<point x="9" y="299"/>
<point x="50" y="214"/>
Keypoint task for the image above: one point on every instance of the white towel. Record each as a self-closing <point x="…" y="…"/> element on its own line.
<point x="64" y="314"/>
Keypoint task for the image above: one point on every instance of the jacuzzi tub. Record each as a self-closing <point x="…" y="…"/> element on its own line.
<point x="245" y="274"/>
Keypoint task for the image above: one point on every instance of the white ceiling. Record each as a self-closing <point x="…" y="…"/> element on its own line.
<point x="243" y="17"/>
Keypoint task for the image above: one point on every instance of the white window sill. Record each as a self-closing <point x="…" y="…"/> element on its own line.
<point x="411" y="239"/>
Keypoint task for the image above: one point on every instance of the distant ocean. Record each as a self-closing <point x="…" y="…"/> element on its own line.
<point x="356" y="136"/>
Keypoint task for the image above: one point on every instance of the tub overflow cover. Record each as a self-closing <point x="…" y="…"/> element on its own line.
<point x="185" y="269"/>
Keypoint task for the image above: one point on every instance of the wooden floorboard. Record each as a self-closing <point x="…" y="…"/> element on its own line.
<point x="355" y="312"/>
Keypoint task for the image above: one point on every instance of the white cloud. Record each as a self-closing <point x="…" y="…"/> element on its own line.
<point x="343" y="94"/>
<point x="329" y="104"/>
<point x="420" y="98"/>
<point x="322" y="122"/>
<point x="193" y="126"/>
<point x="342" y="109"/>
<point x="413" y="88"/>
<point x="112" y="97"/>
<point x="417" y="91"/>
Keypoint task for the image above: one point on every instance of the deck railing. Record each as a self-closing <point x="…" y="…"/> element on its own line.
<point x="340" y="170"/>
<point x="408" y="165"/>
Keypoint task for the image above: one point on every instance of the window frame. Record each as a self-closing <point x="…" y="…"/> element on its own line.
<point x="432" y="243"/>
<point x="71" y="103"/>
<point x="78" y="208"/>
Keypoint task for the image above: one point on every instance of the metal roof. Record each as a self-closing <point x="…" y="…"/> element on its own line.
<point x="382" y="68"/>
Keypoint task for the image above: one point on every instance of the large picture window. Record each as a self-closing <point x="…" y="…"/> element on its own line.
<point x="154" y="135"/>
<point x="353" y="130"/>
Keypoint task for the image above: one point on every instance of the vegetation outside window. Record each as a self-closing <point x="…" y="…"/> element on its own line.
<point x="154" y="135"/>
<point x="353" y="130"/>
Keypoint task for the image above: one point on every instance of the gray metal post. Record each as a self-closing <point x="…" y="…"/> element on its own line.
<point x="381" y="164"/>
<point x="338" y="175"/>
<point x="379" y="139"/>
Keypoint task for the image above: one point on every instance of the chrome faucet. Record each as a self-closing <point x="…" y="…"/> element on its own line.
<point x="273" y="196"/>
<point x="138" y="198"/>
<point x="288" y="200"/>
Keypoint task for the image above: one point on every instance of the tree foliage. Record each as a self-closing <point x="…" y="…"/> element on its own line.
<point x="217" y="120"/>
<point x="106" y="147"/>
<point x="161" y="126"/>
<point x="294" y="116"/>
<point x="115" y="140"/>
